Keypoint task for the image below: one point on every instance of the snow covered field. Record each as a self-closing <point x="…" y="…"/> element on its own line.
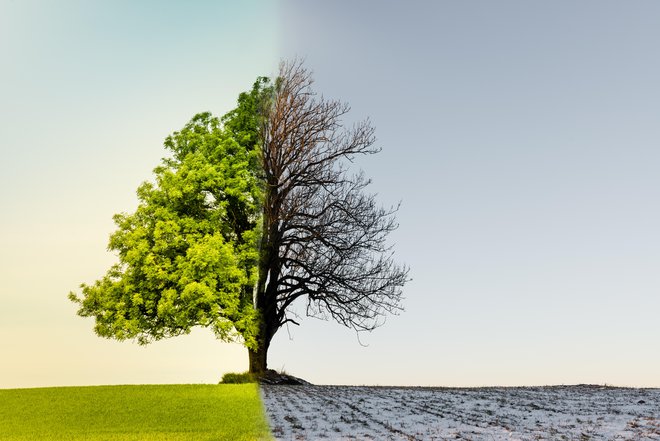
<point x="396" y="413"/>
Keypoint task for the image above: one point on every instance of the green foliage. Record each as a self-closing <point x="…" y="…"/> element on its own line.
<point x="250" y="113"/>
<point x="140" y="413"/>
<point x="188" y="255"/>
<point x="236" y="378"/>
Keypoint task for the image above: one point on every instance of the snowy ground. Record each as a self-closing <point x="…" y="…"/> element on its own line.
<point x="389" y="413"/>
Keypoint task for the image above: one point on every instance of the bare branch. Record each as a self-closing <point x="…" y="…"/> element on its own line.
<point x="326" y="237"/>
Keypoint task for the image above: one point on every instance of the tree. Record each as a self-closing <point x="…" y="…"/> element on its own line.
<point x="324" y="238"/>
<point x="188" y="256"/>
<point x="253" y="212"/>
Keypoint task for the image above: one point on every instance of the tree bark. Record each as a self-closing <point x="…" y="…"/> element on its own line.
<point x="266" y="295"/>
<point x="258" y="357"/>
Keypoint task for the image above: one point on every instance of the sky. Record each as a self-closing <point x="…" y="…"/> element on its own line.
<point x="521" y="139"/>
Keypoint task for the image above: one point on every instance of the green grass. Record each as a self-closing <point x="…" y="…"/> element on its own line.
<point x="144" y="413"/>
<point x="238" y="378"/>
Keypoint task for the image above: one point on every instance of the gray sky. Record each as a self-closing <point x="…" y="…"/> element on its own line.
<point x="521" y="138"/>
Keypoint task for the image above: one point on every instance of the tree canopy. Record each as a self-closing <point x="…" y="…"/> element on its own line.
<point x="251" y="212"/>
<point x="188" y="255"/>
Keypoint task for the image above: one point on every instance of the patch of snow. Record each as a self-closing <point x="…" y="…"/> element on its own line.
<point x="585" y="413"/>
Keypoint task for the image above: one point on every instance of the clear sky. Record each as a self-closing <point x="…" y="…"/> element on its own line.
<point x="521" y="137"/>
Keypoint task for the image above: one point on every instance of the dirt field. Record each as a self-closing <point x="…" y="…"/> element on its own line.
<point x="383" y="413"/>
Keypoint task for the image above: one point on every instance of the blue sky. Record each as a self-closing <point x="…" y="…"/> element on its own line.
<point x="521" y="138"/>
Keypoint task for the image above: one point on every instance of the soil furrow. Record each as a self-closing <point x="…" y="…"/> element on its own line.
<point x="494" y="414"/>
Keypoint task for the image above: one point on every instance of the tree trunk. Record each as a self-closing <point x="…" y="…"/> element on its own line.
<point x="265" y="299"/>
<point x="258" y="362"/>
<point x="258" y="357"/>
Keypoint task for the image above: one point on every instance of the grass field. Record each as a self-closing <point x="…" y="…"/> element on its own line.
<point x="145" y="413"/>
